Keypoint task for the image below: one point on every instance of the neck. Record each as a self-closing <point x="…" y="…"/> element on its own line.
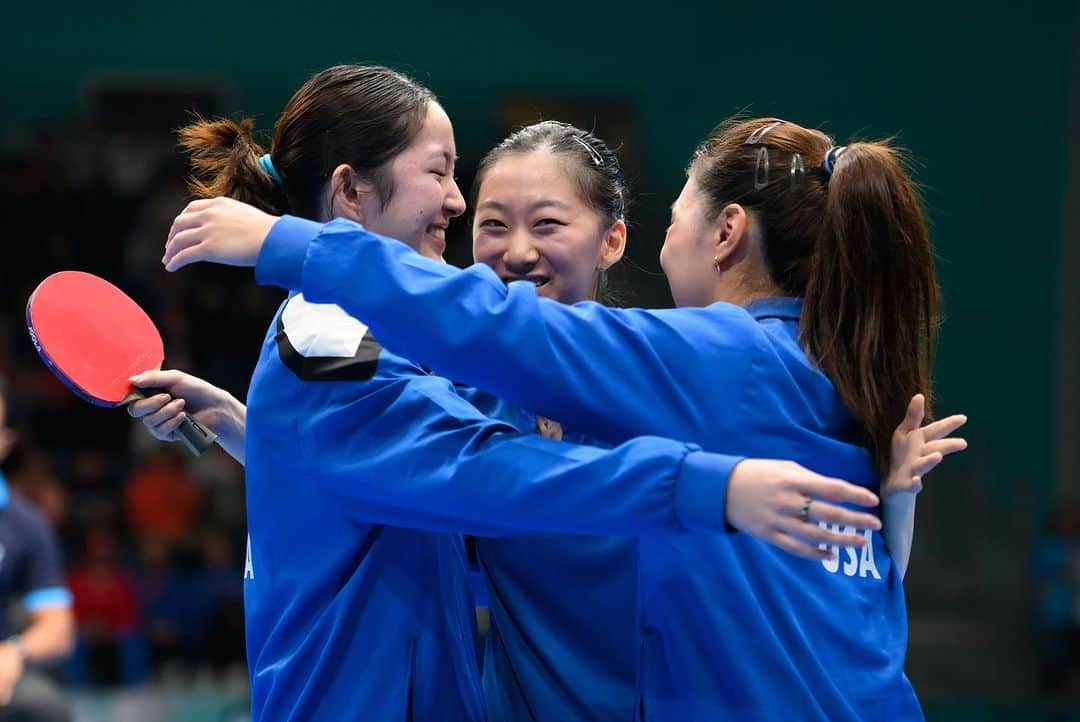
<point x="744" y="290"/>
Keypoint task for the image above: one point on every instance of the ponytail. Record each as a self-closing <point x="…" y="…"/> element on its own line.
<point x="843" y="229"/>
<point x="871" y="303"/>
<point x="225" y="162"/>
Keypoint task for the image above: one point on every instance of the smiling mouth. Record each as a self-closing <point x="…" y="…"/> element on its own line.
<point x="437" y="232"/>
<point x="538" y="281"/>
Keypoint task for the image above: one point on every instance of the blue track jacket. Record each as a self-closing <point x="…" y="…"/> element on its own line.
<point x="730" y="628"/>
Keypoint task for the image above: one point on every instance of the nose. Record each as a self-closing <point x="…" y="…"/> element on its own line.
<point x="520" y="255"/>
<point x="454" y="203"/>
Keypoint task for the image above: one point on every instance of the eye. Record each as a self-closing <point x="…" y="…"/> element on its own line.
<point x="440" y="173"/>
<point x="550" y="222"/>
<point x="492" y="223"/>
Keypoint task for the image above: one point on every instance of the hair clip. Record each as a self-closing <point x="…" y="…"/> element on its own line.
<point x="831" y="156"/>
<point x="758" y="134"/>
<point x="761" y="169"/>
<point x="797" y="168"/>
<point x="592" y="151"/>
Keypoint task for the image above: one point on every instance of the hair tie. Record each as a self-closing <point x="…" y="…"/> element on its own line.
<point x="268" y="165"/>
<point x="831" y="156"/>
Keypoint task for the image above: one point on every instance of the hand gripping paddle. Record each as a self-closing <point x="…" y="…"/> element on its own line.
<point x="94" y="338"/>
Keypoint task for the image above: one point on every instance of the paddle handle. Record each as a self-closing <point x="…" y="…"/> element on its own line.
<point x="196" y="437"/>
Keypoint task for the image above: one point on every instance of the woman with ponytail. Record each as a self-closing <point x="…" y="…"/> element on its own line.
<point x="809" y="306"/>
<point x="351" y="450"/>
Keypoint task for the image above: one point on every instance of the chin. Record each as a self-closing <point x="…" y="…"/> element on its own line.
<point x="548" y="291"/>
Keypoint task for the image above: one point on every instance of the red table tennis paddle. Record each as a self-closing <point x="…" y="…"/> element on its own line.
<point x="94" y="338"/>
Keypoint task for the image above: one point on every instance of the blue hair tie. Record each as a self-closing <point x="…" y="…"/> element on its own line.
<point x="268" y="165"/>
<point x="831" y="155"/>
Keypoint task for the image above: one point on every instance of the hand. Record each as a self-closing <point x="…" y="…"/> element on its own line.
<point x="549" y="429"/>
<point x="217" y="230"/>
<point x="183" y="394"/>
<point x="11" y="669"/>
<point x="767" y="498"/>
<point x="918" y="449"/>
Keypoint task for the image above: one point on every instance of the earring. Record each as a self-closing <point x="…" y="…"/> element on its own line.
<point x="716" y="264"/>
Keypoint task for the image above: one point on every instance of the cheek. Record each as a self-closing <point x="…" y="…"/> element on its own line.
<point x="487" y="250"/>
<point x="419" y="203"/>
<point x="573" y="260"/>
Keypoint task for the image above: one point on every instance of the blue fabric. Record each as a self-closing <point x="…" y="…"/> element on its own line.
<point x="47" y="597"/>
<point x="729" y="627"/>
<point x="30" y="564"/>
<point x="563" y="614"/>
<point x="357" y="595"/>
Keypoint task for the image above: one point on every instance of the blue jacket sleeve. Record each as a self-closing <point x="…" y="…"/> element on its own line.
<point x="611" y="373"/>
<point x="431" y="461"/>
<point x="44" y="580"/>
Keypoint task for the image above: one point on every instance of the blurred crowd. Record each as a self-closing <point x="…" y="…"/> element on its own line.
<point x="153" y="538"/>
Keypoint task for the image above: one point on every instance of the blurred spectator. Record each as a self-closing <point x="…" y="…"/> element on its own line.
<point x="160" y="497"/>
<point x="174" y="602"/>
<point x="1057" y="574"/>
<point x="225" y="600"/>
<point x="109" y="649"/>
<point x="30" y="572"/>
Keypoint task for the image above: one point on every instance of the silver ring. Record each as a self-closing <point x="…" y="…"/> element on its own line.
<point x="804" y="512"/>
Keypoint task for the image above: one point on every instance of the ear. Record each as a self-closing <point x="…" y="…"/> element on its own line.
<point x="731" y="234"/>
<point x="613" y="245"/>
<point x="350" y="196"/>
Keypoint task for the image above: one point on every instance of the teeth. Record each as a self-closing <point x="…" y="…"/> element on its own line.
<point x="437" y="232"/>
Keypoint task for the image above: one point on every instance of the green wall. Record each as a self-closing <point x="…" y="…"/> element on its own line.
<point x="979" y="92"/>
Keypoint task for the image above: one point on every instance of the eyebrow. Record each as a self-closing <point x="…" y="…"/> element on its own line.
<point x="444" y="154"/>
<point x="496" y="205"/>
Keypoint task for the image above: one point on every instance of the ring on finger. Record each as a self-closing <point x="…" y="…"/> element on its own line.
<point x="804" y="512"/>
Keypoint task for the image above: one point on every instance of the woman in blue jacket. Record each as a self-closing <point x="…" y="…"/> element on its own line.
<point x="806" y="276"/>
<point x="553" y="213"/>
<point x="350" y="611"/>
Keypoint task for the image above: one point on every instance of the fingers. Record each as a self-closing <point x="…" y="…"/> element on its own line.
<point x="916" y="411"/>
<point x="166" y="429"/>
<point x="817" y="534"/>
<point x="829" y="489"/>
<point x="147" y="406"/>
<point x="944" y="447"/>
<point x="187" y="220"/>
<point x="200" y="204"/>
<point x="943" y="427"/>
<point x="157" y="379"/>
<point x="184" y="240"/>
<point x="184" y="258"/>
<point x="792" y="545"/>
<point x="165" y="413"/>
<point x="925" y="464"/>
<point x="831" y="514"/>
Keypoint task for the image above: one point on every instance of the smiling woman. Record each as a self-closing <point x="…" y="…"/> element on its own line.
<point x="550" y="209"/>
<point x="364" y="469"/>
<point x="381" y="144"/>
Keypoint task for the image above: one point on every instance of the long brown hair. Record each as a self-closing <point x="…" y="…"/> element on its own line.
<point x="851" y="240"/>
<point x="362" y="115"/>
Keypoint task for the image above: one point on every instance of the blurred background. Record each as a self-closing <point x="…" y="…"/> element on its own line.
<point x="986" y="95"/>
